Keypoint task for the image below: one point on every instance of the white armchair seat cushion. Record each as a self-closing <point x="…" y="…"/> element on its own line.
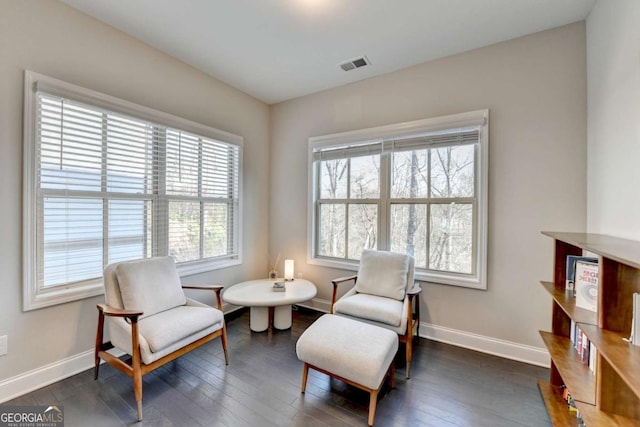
<point x="371" y="307"/>
<point x="384" y="274"/>
<point x="171" y="326"/>
<point x="150" y="285"/>
<point x="120" y="332"/>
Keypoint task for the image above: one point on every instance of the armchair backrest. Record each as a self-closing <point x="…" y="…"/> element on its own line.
<point x="151" y="285"/>
<point x="385" y="274"/>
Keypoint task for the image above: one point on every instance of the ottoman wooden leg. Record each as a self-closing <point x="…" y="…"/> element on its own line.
<point x="305" y="372"/>
<point x="373" y="400"/>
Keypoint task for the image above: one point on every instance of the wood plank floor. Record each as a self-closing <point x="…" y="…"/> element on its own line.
<point x="449" y="386"/>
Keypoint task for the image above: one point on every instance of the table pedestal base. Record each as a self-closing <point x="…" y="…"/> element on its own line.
<point x="263" y="318"/>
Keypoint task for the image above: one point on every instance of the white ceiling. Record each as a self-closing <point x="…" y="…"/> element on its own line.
<point x="276" y="50"/>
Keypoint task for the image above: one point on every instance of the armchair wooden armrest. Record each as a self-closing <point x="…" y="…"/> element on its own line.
<point x="338" y="281"/>
<point x="416" y="290"/>
<point x="216" y="288"/>
<point x="130" y="316"/>
<point x="414" y="308"/>
<point x="108" y="310"/>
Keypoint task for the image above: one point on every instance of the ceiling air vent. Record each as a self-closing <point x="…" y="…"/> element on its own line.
<point x="352" y="64"/>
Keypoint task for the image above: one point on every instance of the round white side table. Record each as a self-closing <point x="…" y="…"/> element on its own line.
<point x="268" y="307"/>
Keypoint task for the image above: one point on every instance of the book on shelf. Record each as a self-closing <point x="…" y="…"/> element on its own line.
<point x="571" y="404"/>
<point x="578" y="342"/>
<point x="586" y="285"/>
<point x="571" y="268"/>
<point x="279" y="287"/>
<point x="585" y="350"/>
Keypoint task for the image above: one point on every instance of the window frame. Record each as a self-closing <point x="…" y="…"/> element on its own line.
<point x="35" y="296"/>
<point x="382" y="134"/>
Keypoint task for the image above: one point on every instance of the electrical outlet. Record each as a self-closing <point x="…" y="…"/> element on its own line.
<point x="3" y="345"/>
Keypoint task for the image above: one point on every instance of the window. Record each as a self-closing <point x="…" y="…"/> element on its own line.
<point x="106" y="181"/>
<point x="418" y="188"/>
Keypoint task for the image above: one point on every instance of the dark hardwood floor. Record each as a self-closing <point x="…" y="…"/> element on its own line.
<point x="449" y="386"/>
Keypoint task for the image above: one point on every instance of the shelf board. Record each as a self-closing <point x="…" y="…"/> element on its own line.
<point x="621" y="250"/>
<point x="559" y="414"/>
<point x="594" y="417"/>
<point x="567" y="302"/>
<point x="623" y="357"/>
<point x="576" y="375"/>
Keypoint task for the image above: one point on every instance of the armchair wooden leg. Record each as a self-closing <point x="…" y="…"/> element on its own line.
<point x="137" y="368"/>
<point x="413" y="324"/>
<point x="224" y="344"/>
<point x="137" y="390"/>
<point x="99" y="337"/>
<point x="409" y="351"/>
<point x="305" y="373"/>
<point x="139" y="405"/>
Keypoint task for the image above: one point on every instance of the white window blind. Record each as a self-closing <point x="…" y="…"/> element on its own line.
<point x="109" y="186"/>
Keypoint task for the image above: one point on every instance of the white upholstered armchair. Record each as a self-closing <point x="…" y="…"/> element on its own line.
<point x="150" y="318"/>
<point x="384" y="295"/>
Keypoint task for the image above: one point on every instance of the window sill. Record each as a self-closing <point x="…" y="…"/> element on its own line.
<point x="439" y="279"/>
<point x="58" y="295"/>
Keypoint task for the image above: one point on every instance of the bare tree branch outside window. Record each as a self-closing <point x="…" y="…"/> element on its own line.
<point x="429" y="198"/>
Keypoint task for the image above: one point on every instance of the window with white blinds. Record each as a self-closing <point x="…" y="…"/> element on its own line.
<point x="418" y="188"/>
<point x="108" y="181"/>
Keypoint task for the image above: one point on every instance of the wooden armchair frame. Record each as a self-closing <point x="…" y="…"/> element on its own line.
<point x="134" y="367"/>
<point x="413" y="315"/>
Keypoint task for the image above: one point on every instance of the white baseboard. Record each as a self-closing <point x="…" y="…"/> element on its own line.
<point x="317" y="304"/>
<point x="37" y="378"/>
<point x="507" y="349"/>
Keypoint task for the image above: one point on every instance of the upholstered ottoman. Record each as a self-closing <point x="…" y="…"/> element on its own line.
<point x="355" y="352"/>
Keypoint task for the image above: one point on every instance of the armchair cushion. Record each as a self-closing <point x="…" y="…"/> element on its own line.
<point x="151" y="285"/>
<point x="171" y="326"/>
<point x="384" y="274"/>
<point x="372" y="308"/>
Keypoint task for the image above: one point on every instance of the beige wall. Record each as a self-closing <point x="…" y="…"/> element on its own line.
<point x="535" y="89"/>
<point x="613" y="67"/>
<point x="50" y="38"/>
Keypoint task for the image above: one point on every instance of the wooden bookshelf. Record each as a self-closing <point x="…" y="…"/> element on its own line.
<point x="611" y="395"/>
